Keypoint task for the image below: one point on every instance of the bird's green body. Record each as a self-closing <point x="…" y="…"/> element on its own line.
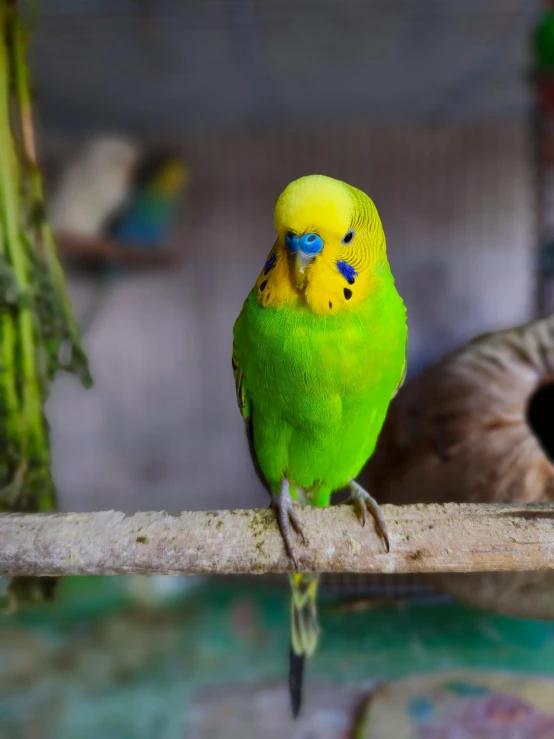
<point x="319" y="387"/>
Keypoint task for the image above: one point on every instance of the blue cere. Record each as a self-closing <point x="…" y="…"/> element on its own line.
<point x="307" y="243"/>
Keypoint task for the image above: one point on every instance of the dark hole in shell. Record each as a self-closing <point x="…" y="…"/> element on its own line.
<point x="540" y="417"/>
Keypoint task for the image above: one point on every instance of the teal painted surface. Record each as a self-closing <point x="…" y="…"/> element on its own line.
<point x="103" y="664"/>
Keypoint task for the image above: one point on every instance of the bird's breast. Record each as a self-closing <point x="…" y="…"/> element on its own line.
<point x="313" y="368"/>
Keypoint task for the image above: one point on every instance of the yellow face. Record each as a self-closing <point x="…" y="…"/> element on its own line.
<point x="330" y="247"/>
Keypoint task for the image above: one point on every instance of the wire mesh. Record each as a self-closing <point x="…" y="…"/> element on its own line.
<point x="170" y="66"/>
<point x="423" y="105"/>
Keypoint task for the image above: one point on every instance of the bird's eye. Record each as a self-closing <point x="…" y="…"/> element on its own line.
<point x="348" y="236"/>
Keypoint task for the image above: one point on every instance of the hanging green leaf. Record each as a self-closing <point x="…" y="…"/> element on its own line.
<point x="38" y="333"/>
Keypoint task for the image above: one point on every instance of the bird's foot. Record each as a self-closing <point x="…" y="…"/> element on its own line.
<point x="287" y="518"/>
<point x="363" y="502"/>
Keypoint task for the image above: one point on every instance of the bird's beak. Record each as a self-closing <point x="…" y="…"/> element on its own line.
<point x="300" y="262"/>
<point x="302" y="251"/>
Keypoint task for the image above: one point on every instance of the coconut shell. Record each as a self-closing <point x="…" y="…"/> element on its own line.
<point x="462" y="432"/>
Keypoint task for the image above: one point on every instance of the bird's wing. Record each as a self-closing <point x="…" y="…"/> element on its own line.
<point x="405" y="367"/>
<point x="402" y="378"/>
<point x="240" y="388"/>
<point x="245" y="407"/>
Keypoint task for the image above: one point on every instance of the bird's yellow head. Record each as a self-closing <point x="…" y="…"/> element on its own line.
<point x="330" y="247"/>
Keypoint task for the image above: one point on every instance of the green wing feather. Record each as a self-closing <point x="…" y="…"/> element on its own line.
<point x="240" y="390"/>
<point x="402" y="378"/>
<point x="245" y="408"/>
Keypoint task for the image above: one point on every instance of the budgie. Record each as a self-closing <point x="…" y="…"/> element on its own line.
<point x="147" y="219"/>
<point x="319" y="351"/>
<point x="94" y="186"/>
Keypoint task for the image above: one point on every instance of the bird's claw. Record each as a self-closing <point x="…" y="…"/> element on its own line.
<point x="363" y="502"/>
<point x="287" y="518"/>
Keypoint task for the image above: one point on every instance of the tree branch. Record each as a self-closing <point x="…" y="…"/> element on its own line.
<point x="424" y="538"/>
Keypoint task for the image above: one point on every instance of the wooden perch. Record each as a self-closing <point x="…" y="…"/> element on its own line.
<point x="424" y="538"/>
<point x="102" y="249"/>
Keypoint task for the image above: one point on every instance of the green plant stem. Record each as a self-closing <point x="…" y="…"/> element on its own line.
<point x="34" y="444"/>
<point x="8" y="373"/>
<point x="46" y="239"/>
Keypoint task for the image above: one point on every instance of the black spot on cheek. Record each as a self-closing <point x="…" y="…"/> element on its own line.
<point x="262" y="286"/>
<point x="330" y="305"/>
<point x="351" y="281"/>
<point x="267" y="297"/>
<point x="347" y="293"/>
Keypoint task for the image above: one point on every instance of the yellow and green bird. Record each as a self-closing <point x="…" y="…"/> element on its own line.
<point x="319" y="352"/>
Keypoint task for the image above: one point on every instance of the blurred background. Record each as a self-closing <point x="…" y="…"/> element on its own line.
<point x="166" y="132"/>
<point x="423" y="105"/>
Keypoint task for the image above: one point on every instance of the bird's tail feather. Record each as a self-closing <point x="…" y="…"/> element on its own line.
<point x="304" y="631"/>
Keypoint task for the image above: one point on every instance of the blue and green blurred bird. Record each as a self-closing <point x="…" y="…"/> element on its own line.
<point x="319" y="352"/>
<point x="147" y="218"/>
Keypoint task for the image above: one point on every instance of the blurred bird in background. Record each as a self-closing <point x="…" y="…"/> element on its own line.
<point x="147" y="217"/>
<point x="113" y="202"/>
<point x="95" y="184"/>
